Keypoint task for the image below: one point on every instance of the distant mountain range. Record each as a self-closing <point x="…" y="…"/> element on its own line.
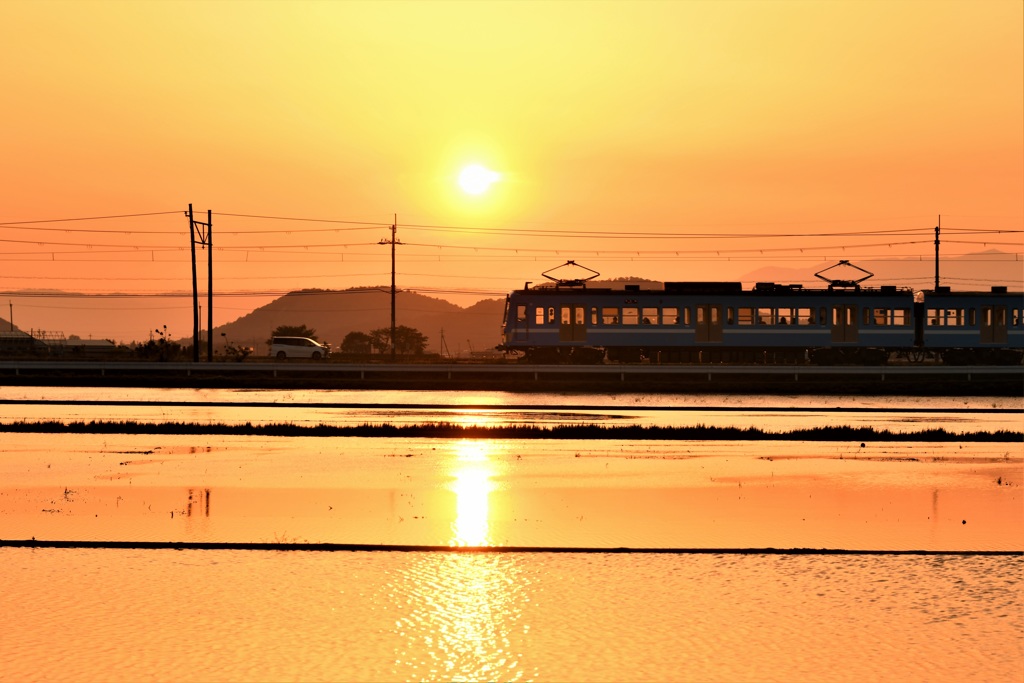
<point x="450" y="330"/>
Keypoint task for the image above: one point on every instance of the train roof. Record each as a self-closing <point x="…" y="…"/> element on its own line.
<point x="998" y="290"/>
<point x="759" y="289"/>
<point x="707" y="288"/>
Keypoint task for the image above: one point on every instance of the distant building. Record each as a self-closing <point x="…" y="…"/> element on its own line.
<point x="89" y="348"/>
<point x="53" y="344"/>
<point x="18" y="343"/>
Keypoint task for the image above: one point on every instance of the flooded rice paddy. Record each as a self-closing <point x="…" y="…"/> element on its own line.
<point x="131" y="614"/>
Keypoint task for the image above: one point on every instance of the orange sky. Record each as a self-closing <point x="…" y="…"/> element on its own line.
<point x="743" y="118"/>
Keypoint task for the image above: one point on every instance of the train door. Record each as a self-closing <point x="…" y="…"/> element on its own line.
<point x="844" y="323"/>
<point x="993" y="324"/>
<point x="709" y="322"/>
<point x="573" y="326"/>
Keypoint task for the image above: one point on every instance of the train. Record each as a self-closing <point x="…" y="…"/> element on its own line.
<point x="846" y="323"/>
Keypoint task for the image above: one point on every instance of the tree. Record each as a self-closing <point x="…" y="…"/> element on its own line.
<point x="408" y="340"/>
<point x="380" y="340"/>
<point x="357" y="342"/>
<point x="292" y="331"/>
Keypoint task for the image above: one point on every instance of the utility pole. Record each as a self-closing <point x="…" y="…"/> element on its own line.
<point x="937" y="229"/>
<point x="205" y="233"/>
<point x="393" y="241"/>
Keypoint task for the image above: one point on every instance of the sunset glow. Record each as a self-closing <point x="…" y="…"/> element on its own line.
<point x="683" y="140"/>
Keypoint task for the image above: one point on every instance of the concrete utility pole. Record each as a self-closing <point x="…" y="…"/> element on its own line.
<point x="937" y="229"/>
<point x="393" y="241"/>
<point x="205" y="233"/>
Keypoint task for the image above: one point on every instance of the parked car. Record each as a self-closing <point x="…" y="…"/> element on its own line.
<point x="283" y="348"/>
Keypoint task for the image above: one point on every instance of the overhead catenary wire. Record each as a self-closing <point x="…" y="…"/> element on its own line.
<point x="306" y="251"/>
<point x="630" y="232"/>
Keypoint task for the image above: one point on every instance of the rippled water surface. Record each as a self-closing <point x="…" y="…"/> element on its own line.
<point x="243" y="615"/>
<point x="255" y="615"/>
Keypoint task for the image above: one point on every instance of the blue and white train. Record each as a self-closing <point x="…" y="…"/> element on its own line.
<point x="720" y="322"/>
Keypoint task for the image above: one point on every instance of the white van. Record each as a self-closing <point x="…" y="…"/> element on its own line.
<point x="283" y="348"/>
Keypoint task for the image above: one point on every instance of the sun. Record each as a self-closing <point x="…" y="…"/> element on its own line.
<point x="477" y="179"/>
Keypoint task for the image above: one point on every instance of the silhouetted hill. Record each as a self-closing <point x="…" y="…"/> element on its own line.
<point x="333" y="314"/>
<point x="5" y="326"/>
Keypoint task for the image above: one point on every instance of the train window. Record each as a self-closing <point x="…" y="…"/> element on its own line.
<point x="867" y="315"/>
<point x="765" y="316"/>
<point x="520" y="314"/>
<point x="972" y="317"/>
<point x="787" y="316"/>
<point x="822" y="316"/>
<point x="670" y="316"/>
<point x="539" y="317"/>
<point x="745" y="316"/>
<point x="946" y="317"/>
<point x="566" y="312"/>
<point x="899" y="317"/>
<point x="687" y="319"/>
<point x="551" y="314"/>
<point x="650" y="316"/>
<point x="593" y="316"/>
<point x="1016" y="318"/>
<point x="581" y="315"/>
<point x="730" y="316"/>
<point x="630" y="315"/>
<point x="1001" y="316"/>
<point x="804" y="316"/>
<point x="610" y="316"/>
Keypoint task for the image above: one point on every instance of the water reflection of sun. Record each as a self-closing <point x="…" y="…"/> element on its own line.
<point x="471" y="482"/>
<point x="469" y="417"/>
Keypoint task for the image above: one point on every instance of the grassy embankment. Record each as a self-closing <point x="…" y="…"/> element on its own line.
<point x="574" y="431"/>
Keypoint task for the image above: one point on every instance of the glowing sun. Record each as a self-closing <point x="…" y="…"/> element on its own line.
<point x="476" y="179"/>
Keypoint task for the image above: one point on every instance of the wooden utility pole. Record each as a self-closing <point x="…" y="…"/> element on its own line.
<point x="937" y="229"/>
<point x="393" y="241"/>
<point x="205" y="233"/>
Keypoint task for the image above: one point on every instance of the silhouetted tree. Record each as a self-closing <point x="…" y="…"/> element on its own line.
<point x="408" y="340"/>
<point x="357" y="342"/>
<point x="380" y="340"/>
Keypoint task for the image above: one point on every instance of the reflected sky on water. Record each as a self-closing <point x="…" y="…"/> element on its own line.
<point x="899" y="414"/>
<point x="549" y="493"/>
<point x="124" y="615"/>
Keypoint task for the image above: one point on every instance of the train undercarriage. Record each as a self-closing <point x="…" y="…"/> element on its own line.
<point x="588" y="355"/>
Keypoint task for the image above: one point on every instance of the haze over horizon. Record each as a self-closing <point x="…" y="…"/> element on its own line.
<point x="640" y="139"/>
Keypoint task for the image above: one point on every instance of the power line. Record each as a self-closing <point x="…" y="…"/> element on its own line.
<point x="631" y="233"/>
<point x="373" y="224"/>
<point x="696" y="235"/>
<point x="90" y="218"/>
